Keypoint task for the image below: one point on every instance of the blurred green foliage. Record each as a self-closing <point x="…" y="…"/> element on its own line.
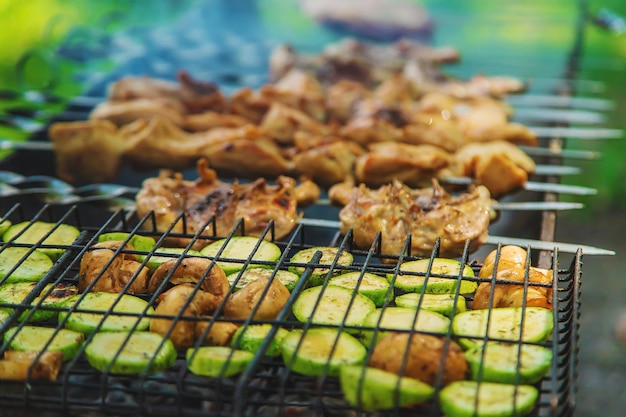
<point x="37" y="26"/>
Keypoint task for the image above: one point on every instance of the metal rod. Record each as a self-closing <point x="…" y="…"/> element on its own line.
<point x="576" y="132"/>
<point x="563" y="153"/>
<point x="548" y="100"/>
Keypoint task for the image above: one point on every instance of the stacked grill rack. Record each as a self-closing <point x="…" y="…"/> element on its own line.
<point x="267" y="387"/>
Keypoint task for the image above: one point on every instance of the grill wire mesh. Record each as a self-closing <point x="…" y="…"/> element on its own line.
<point x="267" y="386"/>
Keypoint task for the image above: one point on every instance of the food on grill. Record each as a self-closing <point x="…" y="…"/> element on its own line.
<point x="403" y="319"/>
<point x="443" y="277"/>
<point x="242" y="249"/>
<point x="511" y="266"/>
<point x="87" y="151"/>
<point x="23" y="265"/>
<point x="252" y="337"/>
<point x="470" y="327"/>
<point x="321" y="351"/>
<point x="218" y="333"/>
<point x="331" y="256"/>
<point x="187" y="301"/>
<point x="509" y="363"/>
<point x="97" y="304"/>
<point x="430" y="359"/>
<point x="138" y="242"/>
<point x="262" y="299"/>
<point x="487" y="399"/>
<point x="428" y="214"/>
<point x="374" y="287"/>
<point x="37" y="339"/>
<point x="4" y="226"/>
<point x="51" y="296"/>
<point x="243" y="278"/>
<point x="373" y="389"/>
<point x="217" y="361"/>
<point x="211" y="206"/>
<point x="29" y="366"/>
<point x="193" y="270"/>
<point x="34" y="233"/>
<point x="332" y="305"/>
<point x="164" y="254"/>
<point x="130" y="353"/>
<point x="108" y="267"/>
<point x="446" y="304"/>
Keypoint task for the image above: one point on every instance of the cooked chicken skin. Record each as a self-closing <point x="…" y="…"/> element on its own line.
<point x="398" y="211"/>
<point x="210" y="206"/>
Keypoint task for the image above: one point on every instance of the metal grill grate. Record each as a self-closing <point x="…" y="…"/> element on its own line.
<point x="266" y="387"/>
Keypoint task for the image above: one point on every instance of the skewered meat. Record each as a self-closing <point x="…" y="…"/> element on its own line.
<point x="207" y="198"/>
<point x="397" y="211"/>
<point x="194" y="96"/>
<point x="342" y="99"/>
<point x="124" y="112"/>
<point x="90" y="150"/>
<point x="210" y="119"/>
<point x="499" y="165"/>
<point x="282" y="122"/>
<point x="391" y="161"/>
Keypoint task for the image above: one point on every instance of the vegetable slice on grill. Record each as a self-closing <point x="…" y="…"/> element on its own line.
<point x="240" y="248"/>
<point x="509" y="363"/>
<point x="34" y="338"/>
<point x="61" y="235"/>
<point x="439" y="303"/>
<point x="373" y="389"/>
<point x="30" y="267"/>
<point x="15" y="293"/>
<point x="399" y="318"/>
<point x="251" y="338"/>
<point x="218" y="361"/>
<point x="374" y="287"/>
<point x="289" y="279"/>
<point x="487" y="399"/>
<point x="329" y="255"/>
<point x="101" y="303"/>
<point x="504" y="323"/>
<point x="130" y="353"/>
<point x="162" y="255"/>
<point x="332" y="305"/>
<point x="435" y="285"/>
<point x="138" y="242"/>
<point x="321" y="351"/>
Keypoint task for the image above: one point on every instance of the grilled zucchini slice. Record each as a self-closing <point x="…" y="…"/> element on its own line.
<point x="504" y="323"/>
<point x="372" y="286"/>
<point x="162" y="255"/>
<point x="218" y="361"/>
<point x="101" y="303"/>
<point x="399" y="318"/>
<point x="439" y="303"/>
<point x="509" y="363"/>
<point x="289" y="279"/>
<point x="4" y="226"/>
<point x="16" y="292"/>
<point x="138" y="242"/>
<point x="30" y="267"/>
<point x="311" y="353"/>
<point x="373" y="389"/>
<point x="133" y="353"/>
<point x="434" y="285"/>
<point x="487" y="399"/>
<point x="330" y="255"/>
<point x="333" y="305"/>
<point x="33" y="232"/>
<point x="251" y="338"/>
<point x="240" y="248"/>
<point x="34" y="338"/>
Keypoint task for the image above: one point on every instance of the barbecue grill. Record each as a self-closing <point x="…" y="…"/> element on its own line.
<point x="267" y="386"/>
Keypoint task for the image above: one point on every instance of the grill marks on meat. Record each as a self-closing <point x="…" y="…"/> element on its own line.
<point x="212" y="207"/>
<point x="397" y="212"/>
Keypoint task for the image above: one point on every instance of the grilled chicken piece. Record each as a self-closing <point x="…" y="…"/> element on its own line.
<point x="89" y="151"/>
<point x="194" y="96"/>
<point x="210" y="119"/>
<point x="282" y="122"/>
<point x="500" y="166"/>
<point x="300" y="90"/>
<point x="487" y="123"/>
<point x="249" y="104"/>
<point x="342" y="99"/>
<point x="397" y="211"/>
<point x="434" y="130"/>
<point x="199" y="201"/>
<point x="124" y="112"/>
<point x="413" y="165"/>
<point x="326" y="162"/>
